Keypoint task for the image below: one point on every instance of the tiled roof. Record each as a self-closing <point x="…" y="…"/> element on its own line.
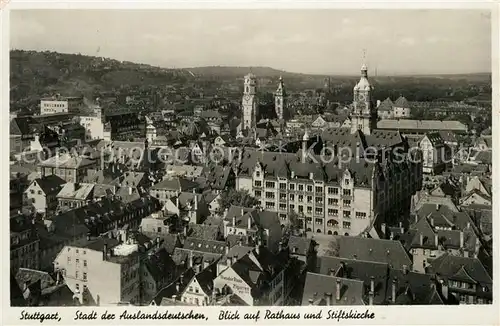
<point x="67" y="161"/>
<point x="79" y="191"/>
<point x="175" y="184"/>
<point x="402" y="102"/>
<point x="318" y="286"/>
<point x="449" y="265"/>
<point x="407" y="124"/>
<point x="51" y="185"/>
<point x="299" y="245"/>
<point x="368" y="249"/>
<point x="205" y="245"/>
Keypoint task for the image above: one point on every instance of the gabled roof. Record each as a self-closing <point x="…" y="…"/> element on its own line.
<point x="449" y="265"/>
<point x="317" y="286"/>
<point x="51" y="184"/>
<point x="402" y="102"/>
<point x="368" y="249"/>
<point x="175" y="184"/>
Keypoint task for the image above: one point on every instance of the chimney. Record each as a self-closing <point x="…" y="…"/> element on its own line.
<point x="436" y="240"/>
<point x="181" y="278"/>
<point x="437" y="207"/>
<point x="234" y="221"/>
<point x="58" y="277"/>
<point x="311" y="175"/>
<point x="421" y="239"/>
<point x="177" y="287"/>
<point x="405" y="269"/>
<point x="461" y="239"/>
<point x="105" y="252"/>
<point x="393" y="298"/>
<point x="185" y="231"/>
<point x="432" y="221"/>
<point x="206" y="263"/>
<point x="337" y="290"/>
<point x="195" y="201"/>
<point x="174" y="297"/>
<point x="249" y="222"/>
<point x="190" y="259"/>
<point x="177" y="202"/>
<point x="332" y="272"/>
<point x="328" y="297"/>
<point x="227" y="248"/>
<point x="88" y="236"/>
<point x="382" y="227"/>
<point x="372" y="284"/>
<point x="401" y="227"/>
<point x="311" y="302"/>
<point x="228" y="261"/>
<point x="292" y="175"/>
<point x="242" y="211"/>
<point x="130" y="190"/>
<point x="234" y="259"/>
<point x="370" y="298"/>
<point x="392" y="236"/>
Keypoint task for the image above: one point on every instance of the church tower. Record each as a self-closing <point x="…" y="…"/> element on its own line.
<point x="279" y="100"/>
<point x="249" y="103"/>
<point x="363" y="114"/>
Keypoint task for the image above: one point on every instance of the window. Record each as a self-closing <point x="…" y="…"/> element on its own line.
<point x="76" y="274"/>
<point x="269" y="204"/>
<point x="77" y="261"/>
<point x="158" y="229"/>
<point x="347" y="214"/>
<point x="282" y="196"/>
<point x="333" y="191"/>
<point x="346" y="225"/>
<point x="77" y="287"/>
<point x="301" y="209"/>
<point x="319" y="200"/>
<point x="319" y="210"/>
<point x="309" y="188"/>
<point x="257" y="174"/>
<point x="196" y="290"/>
<point x="309" y="199"/>
<point x="69" y="260"/>
<point x="269" y="184"/>
<point x="283" y="207"/>
<point x="258" y="193"/>
<point x="190" y="289"/>
<point x="360" y="214"/>
<point x="283" y="186"/>
<point x="347" y="192"/>
<point x="39" y="192"/>
<point x="318" y="221"/>
<point x="292" y="207"/>
<point x="292" y="186"/>
<point x="84" y="276"/>
<point x="347" y="203"/>
<point x="258" y="183"/>
<point x="270" y="194"/>
<point x="301" y="187"/>
<point x="309" y="209"/>
<point x="347" y="182"/>
<point x="301" y="198"/>
<point x="292" y="197"/>
<point x="319" y="189"/>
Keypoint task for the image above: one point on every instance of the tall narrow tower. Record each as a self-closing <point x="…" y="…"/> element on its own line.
<point x="249" y="102"/>
<point x="363" y="115"/>
<point x="279" y="100"/>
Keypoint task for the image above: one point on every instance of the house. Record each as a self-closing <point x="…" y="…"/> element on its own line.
<point x="253" y="223"/>
<point x="66" y="166"/>
<point x="171" y="187"/>
<point x="436" y="154"/>
<point x="327" y="290"/>
<point x="212" y="199"/>
<point x="467" y="279"/>
<point x="158" y="270"/>
<point x="24" y="243"/>
<point x="189" y="206"/>
<point x="42" y="193"/>
<point x="401" y="108"/>
<point x="74" y="195"/>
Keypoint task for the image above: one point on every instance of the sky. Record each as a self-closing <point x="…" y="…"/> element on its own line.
<point x="307" y="41"/>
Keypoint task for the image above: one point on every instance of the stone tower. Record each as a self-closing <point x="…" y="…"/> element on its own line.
<point x="279" y="101"/>
<point x="249" y="102"/>
<point x="363" y="114"/>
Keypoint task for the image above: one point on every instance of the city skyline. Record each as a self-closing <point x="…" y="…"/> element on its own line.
<point x="230" y="40"/>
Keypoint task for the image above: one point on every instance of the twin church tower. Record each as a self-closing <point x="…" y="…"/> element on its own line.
<point x="250" y="102"/>
<point x="363" y="113"/>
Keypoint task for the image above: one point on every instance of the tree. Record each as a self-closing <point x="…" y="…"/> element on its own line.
<point x="236" y="197"/>
<point x="295" y="225"/>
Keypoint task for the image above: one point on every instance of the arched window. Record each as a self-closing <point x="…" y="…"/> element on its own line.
<point x="346" y="234"/>
<point x="335" y="233"/>
<point x="329" y="232"/>
<point x="308" y="230"/>
<point x="318" y="231"/>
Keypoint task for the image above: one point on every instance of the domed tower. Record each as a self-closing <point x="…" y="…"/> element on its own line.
<point x="363" y="114"/>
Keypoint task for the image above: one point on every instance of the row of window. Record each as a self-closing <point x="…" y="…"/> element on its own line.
<point x="301" y="187"/>
<point x="300" y="198"/>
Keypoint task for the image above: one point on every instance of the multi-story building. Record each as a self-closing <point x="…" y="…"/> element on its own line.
<point x="104" y="271"/>
<point x="68" y="167"/>
<point x="435" y="154"/>
<point x="41" y="194"/>
<point x="60" y="104"/>
<point x="24" y="244"/>
<point x="372" y="176"/>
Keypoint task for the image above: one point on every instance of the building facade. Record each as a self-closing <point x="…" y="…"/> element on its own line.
<point x="250" y="105"/>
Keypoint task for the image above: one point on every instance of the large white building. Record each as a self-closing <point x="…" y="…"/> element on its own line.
<point x="349" y="198"/>
<point x="59" y="104"/>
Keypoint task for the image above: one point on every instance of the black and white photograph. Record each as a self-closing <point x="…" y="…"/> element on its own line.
<point x="250" y="157"/>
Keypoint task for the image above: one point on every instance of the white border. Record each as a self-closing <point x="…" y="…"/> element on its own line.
<point x="412" y="315"/>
